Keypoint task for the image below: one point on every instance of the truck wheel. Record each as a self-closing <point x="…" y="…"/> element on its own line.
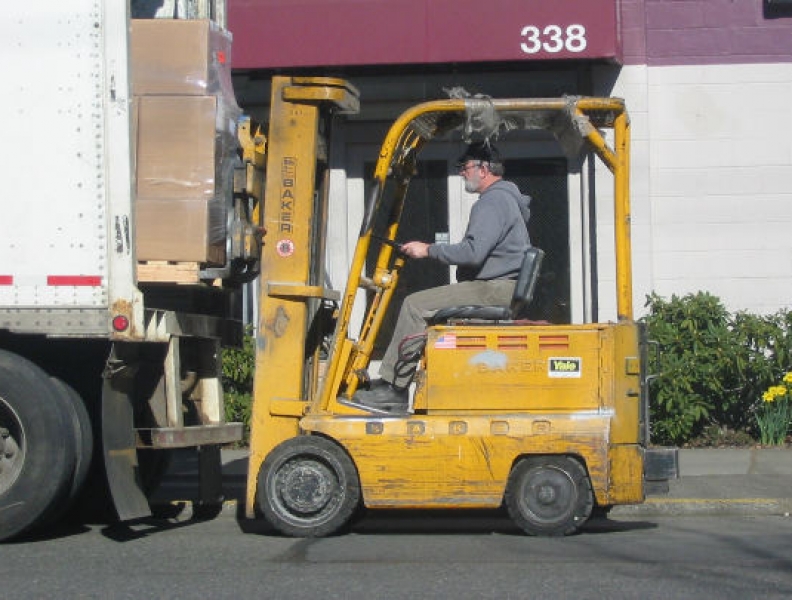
<point x="83" y="441"/>
<point x="37" y="454"/>
<point x="549" y="495"/>
<point x="83" y="435"/>
<point x="308" y="487"/>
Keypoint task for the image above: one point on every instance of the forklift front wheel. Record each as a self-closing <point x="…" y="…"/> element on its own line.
<point x="549" y="495"/>
<point x="308" y="487"/>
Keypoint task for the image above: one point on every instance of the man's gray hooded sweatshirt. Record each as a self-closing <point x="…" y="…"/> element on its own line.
<point x="496" y="238"/>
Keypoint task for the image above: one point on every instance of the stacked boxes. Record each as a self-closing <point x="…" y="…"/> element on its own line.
<point x="185" y="132"/>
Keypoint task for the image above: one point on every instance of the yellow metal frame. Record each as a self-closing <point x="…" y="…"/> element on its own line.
<point x="397" y="159"/>
<point x="456" y="449"/>
<point x="293" y="257"/>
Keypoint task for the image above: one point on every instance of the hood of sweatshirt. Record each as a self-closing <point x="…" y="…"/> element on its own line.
<point x="523" y="200"/>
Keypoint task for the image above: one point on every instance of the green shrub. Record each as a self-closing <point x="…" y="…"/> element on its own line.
<point x="238" y="370"/>
<point x="762" y="347"/>
<point x="711" y="367"/>
<point x="692" y="364"/>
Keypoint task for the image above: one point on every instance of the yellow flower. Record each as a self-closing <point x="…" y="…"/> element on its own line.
<point x="773" y="392"/>
<point x="788" y="377"/>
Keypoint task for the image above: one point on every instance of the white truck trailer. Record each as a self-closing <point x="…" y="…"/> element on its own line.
<point x="112" y="316"/>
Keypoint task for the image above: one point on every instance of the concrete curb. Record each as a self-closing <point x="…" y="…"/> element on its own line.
<point x="656" y="507"/>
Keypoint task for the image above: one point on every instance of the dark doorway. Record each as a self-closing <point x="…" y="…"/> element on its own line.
<point x="545" y="180"/>
<point x="425" y="215"/>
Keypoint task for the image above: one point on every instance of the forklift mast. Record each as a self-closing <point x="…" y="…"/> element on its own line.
<point x="293" y="307"/>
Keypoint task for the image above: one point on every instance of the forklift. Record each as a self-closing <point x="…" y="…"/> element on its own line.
<point x="548" y="420"/>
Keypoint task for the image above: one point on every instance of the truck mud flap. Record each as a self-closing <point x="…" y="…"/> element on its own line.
<point x="119" y="448"/>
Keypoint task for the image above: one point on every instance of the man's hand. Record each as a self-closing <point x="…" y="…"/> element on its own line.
<point x="415" y="249"/>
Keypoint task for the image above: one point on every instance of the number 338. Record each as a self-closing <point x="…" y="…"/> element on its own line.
<point x="553" y="38"/>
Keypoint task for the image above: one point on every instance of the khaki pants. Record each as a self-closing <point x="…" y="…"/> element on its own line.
<point x="420" y="305"/>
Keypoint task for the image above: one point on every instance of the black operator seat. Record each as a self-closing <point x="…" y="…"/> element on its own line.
<point x="523" y="294"/>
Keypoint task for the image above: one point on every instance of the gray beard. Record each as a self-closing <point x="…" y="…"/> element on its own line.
<point x="471" y="185"/>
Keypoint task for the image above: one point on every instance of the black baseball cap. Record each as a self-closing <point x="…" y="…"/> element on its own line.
<point x="480" y="151"/>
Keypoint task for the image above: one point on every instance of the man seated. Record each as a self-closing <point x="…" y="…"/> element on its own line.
<point x="488" y="258"/>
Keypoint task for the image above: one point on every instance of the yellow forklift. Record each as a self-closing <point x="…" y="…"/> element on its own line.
<point x="550" y="420"/>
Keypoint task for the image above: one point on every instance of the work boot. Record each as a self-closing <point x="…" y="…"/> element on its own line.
<point x="375" y="384"/>
<point x="382" y="393"/>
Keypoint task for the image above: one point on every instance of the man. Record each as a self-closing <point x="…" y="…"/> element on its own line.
<point x="488" y="260"/>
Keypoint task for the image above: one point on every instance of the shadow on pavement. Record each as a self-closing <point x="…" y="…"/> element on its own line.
<point x="442" y="522"/>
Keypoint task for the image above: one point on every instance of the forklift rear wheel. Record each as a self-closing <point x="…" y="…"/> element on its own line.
<point x="308" y="487"/>
<point x="549" y="495"/>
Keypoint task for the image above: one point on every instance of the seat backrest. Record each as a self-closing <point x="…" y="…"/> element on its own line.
<point x="526" y="281"/>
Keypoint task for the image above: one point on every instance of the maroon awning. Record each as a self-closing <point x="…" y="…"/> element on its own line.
<point x="302" y="33"/>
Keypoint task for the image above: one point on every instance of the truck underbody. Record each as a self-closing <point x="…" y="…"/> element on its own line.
<point x="111" y="329"/>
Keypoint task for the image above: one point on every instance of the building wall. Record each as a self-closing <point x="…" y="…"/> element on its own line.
<point x="709" y="86"/>
<point x="629" y="83"/>
<point x="705" y="32"/>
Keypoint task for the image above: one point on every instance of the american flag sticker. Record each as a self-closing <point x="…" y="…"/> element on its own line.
<point x="446" y="341"/>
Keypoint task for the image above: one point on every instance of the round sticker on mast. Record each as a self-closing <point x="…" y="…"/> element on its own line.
<point x="284" y="248"/>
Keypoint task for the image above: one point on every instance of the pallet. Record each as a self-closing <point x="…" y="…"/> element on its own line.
<point x="161" y="271"/>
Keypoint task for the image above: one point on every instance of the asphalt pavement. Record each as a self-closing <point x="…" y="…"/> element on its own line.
<point x="711" y="481"/>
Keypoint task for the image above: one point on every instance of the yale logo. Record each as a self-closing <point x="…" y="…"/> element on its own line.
<point x="564" y="367"/>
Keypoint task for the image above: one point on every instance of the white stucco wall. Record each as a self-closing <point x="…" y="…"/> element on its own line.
<point x="711" y="182"/>
<point x="632" y="86"/>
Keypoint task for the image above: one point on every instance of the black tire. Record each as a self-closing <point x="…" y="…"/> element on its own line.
<point x="549" y="495"/>
<point x="38" y="447"/>
<point x="83" y="444"/>
<point x="308" y="487"/>
<point x="83" y="435"/>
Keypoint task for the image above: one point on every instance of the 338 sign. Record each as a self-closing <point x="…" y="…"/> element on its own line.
<point x="553" y="39"/>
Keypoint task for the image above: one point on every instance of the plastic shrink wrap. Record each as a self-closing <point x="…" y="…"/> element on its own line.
<point x="185" y="120"/>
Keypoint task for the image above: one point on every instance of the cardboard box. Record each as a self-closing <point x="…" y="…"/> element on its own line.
<point x="176" y="146"/>
<point x="178" y="231"/>
<point x="180" y="56"/>
<point x="181" y="212"/>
